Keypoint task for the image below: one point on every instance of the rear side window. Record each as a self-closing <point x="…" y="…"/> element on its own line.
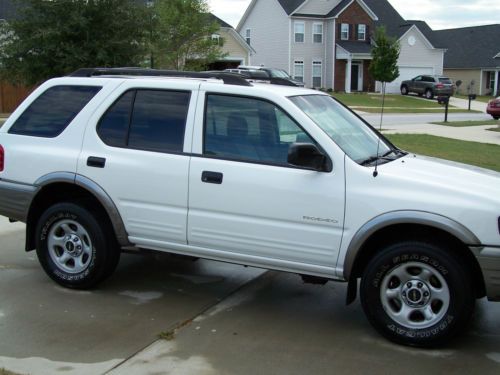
<point x="445" y="80"/>
<point x="53" y="111"/>
<point x="153" y="120"/>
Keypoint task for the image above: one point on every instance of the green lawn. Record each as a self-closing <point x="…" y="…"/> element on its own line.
<point x="495" y="129"/>
<point x="484" y="99"/>
<point x="467" y="123"/>
<point x="5" y="372"/>
<point x="391" y="100"/>
<point x="479" y="154"/>
<point x="394" y="103"/>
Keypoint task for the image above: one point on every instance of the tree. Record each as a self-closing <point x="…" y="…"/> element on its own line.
<point x="181" y="33"/>
<point x="385" y="54"/>
<point x="53" y="38"/>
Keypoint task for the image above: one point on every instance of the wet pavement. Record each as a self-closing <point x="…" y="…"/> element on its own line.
<point x="229" y="320"/>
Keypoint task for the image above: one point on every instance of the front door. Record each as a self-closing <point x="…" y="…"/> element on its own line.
<point x="247" y="202"/>
<point x="356" y="79"/>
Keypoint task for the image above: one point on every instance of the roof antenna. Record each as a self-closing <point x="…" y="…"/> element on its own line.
<point x="375" y="172"/>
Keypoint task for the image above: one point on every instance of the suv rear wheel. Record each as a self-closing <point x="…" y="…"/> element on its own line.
<point x="404" y="90"/>
<point x="417" y="294"/>
<point x="74" y="246"/>
<point x="429" y="94"/>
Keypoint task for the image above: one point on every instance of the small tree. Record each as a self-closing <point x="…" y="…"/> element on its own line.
<point x="385" y="54"/>
<point x="53" y="38"/>
<point x="384" y="67"/>
<point x="181" y="32"/>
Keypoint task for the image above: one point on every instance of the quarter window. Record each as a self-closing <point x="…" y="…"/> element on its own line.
<point x="300" y="29"/>
<point x="153" y="120"/>
<point x="53" y="111"/>
<point x="344" y="31"/>
<point x="257" y="131"/>
<point x="298" y="68"/>
<point x="318" y="33"/>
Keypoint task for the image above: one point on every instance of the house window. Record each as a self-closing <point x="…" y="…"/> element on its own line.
<point x="248" y="34"/>
<point x="490" y="80"/>
<point x="298" y="70"/>
<point x="317" y="70"/>
<point x="300" y="29"/>
<point x="344" y="31"/>
<point x="361" y="32"/>
<point x="318" y="33"/>
<point x="216" y="39"/>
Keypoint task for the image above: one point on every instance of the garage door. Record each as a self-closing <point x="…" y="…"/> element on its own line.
<point x="406" y="73"/>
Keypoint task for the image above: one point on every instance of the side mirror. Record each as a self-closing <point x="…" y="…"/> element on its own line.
<point x="308" y="155"/>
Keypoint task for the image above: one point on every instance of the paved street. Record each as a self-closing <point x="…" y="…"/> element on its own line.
<point x="230" y="319"/>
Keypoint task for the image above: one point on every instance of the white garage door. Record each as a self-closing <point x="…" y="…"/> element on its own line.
<point x="406" y="73"/>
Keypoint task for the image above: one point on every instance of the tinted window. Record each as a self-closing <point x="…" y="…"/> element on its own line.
<point x="249" y="129"/>
<point x="113" y="127"/>
<point x="159" y="120"/>
<point x="445" y="80"/>
<point x="53" y="111"/>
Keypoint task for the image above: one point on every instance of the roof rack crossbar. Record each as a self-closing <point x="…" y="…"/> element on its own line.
<point x="227" y="78"/>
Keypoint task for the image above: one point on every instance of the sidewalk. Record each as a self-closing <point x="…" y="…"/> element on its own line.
<point x="462" y="103"/>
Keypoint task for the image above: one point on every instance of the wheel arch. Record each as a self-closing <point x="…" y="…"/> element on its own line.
<point x="399" y="225"/>
<point x="59" y="186"/>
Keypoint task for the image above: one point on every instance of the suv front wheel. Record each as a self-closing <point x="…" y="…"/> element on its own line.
<point x="417" y="294"/>
<point x="75" y="246"/>
<point x="429" y="94"/>
<point x="404" y="90"/>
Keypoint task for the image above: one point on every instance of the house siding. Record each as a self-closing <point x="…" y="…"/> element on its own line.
<point x="308" y="51"/>
<point x="234" y="50"/>
<point x="269" y="26"/>
<point x="330" y="57"/>
<point x="467" y="76"/>
<point x="420" y="54"/>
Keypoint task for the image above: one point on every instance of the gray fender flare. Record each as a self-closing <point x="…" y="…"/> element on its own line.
<point x="98" y="192"/>
<point x="404" y="217"/>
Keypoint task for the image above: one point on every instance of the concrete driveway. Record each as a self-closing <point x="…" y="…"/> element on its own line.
<point x="217" y="319"/>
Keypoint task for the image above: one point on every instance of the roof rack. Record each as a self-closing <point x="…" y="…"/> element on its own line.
<point x="227" y="78"/>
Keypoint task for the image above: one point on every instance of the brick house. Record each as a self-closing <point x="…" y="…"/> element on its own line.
<point x="327" y="43"/>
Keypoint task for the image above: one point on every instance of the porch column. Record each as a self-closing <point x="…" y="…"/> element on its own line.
<point x="495" y="87"/>
<point x="348" y="75"/>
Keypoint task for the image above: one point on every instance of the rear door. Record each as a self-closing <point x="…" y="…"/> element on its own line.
<point x="247" y="202"/>
<point x="134" y="149"/>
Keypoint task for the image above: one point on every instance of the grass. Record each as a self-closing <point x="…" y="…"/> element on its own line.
<point x="6" y="372"/>
<point x="497" y="129"/>
<point x="467" y="123"/>
<point x="482" y="98"/>
<point x="394" y="103"/>
<point x="479" y="154"/>
<point x="391" y="100"/>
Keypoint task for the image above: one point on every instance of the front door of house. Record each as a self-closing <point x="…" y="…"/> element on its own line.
<point x="355" y="77"/>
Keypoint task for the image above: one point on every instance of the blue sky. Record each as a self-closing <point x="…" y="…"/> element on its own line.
<point x="439" y="14"/>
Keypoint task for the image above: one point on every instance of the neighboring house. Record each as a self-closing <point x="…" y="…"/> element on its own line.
<point x="236" y="49"/>
<point x="327" y="43"/>
<point x="473" y="57"/>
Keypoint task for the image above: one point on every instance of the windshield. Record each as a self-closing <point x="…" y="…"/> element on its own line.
<point x="277" y="73"/>
<point x="351" y="134"/>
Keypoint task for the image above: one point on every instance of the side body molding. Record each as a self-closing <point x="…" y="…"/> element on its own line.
<point x="404" y="217"/>
<point x="98" y="192"/>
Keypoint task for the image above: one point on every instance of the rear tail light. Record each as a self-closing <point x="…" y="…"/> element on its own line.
<point x="439" y="85"/>
<point x="2" y="158"/>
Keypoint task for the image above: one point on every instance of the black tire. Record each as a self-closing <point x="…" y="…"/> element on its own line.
<point x="404" y="90"/>
<point x="100" y="254"/>
<point x="496" y="117"/>
<point x="449" y="274"/>
<point x="429" y="94"/>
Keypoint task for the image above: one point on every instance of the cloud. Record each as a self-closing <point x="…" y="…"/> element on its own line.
<point x="439" y="14"/>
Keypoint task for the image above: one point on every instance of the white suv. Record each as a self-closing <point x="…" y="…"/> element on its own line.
<point x="269" y="176"/>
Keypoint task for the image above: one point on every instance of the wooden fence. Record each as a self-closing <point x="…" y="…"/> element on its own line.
<point x="11" y="96"/>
